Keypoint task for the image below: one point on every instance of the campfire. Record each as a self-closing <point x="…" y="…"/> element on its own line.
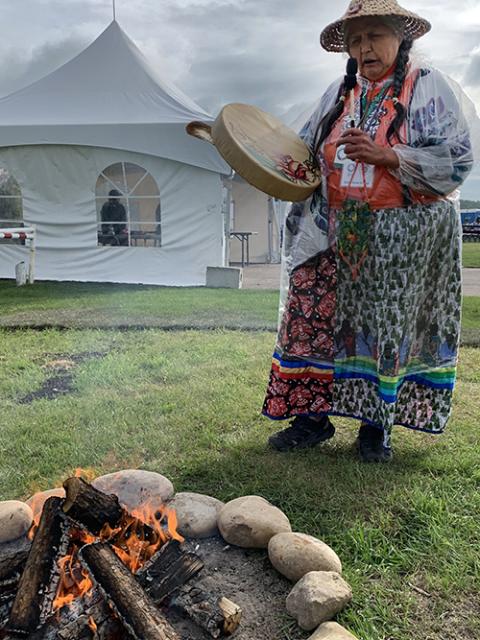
<point x="96" y="571"/>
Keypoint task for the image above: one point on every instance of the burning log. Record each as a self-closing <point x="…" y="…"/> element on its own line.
<point x="12" y="556"/>
<point x="168" y="570"/>
<point x="94" y="621"/>
<point x="121" y="600"/>
<point x="135" y="608"/>
<point x="97" y="512"/>
<point x="36" y="577"/>
<point x="218" y="616"/>
<point x="89" y="506"/>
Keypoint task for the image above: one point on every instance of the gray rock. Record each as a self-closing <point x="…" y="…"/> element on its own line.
<point x="296" y="554"/>
<point x="251" y="521"/>
<point x="196" y="514"/>
<point x="15" y="520"/>
<point x="135" y="488"/>
<point x="332" y="631"/>
<point x="318" y="597"/>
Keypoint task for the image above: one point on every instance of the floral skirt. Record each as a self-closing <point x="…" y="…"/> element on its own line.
<point x="372" y="331"/>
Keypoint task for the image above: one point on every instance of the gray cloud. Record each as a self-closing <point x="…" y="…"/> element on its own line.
<point x="264" y="52"/>
<point x="218" y="51"/>
<point x="17" y="72"/>
<point x="472" y="73"/>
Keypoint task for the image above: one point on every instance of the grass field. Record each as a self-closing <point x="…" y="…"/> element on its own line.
<point x="471" y="255"/>
<point x="187" y="403"/>
<point x="79" y="305"/>
<point x="88" y="305"/>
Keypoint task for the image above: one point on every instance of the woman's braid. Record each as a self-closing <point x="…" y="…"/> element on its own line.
<point x="326" y="123"/>
<point x="398" y="80"/>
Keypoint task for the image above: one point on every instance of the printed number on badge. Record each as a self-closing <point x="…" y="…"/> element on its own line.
<point x="357" y="174"/>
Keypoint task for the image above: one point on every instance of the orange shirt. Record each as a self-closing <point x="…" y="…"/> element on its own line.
<point x="386" y="190"/>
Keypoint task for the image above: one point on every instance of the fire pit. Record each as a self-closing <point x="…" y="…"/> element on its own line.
<point x="95" y="570"/>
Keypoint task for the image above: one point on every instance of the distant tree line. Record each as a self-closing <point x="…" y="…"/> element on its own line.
<point x="469" y="204"/>
<point x="10" y="208"/>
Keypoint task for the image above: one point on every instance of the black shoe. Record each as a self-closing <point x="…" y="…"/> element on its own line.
<point x="370" y="445"/>
<point x="302" y="433"/>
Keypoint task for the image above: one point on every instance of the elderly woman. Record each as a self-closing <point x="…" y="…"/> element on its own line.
<point x="371" y="321"/>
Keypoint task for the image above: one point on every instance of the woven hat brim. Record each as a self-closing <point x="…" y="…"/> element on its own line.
<point x="332" y="37"/>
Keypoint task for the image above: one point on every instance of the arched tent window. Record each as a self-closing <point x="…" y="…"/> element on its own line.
<point x="11" y="204"/>
<point x="128" y="207"/>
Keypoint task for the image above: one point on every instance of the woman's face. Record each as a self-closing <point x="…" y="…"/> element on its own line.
<point x="374" y="44"/>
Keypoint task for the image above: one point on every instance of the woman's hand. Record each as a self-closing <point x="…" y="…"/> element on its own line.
<point x="360" y="147"/>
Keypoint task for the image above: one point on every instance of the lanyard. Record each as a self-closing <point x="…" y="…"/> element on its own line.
<point x="372" y="107"/>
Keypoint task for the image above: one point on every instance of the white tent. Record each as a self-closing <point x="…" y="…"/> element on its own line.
<point x="106" y="121"/>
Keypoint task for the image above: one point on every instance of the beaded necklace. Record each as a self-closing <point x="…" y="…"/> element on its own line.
<point x="372" y="107"/>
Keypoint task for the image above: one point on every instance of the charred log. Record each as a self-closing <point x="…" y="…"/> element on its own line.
<point x="36" y="577"/>
<point x="13" y="556"/>
<point x="10" y="585"/>
<point x="93" y="509"/>
<point x="168" y="570"/>
<point x="219" y="616"/>
<point x="8" y="591"/>
<point x="94" y="621"/>
<point x="89" y="506"/>
<point x="134" y="607"/>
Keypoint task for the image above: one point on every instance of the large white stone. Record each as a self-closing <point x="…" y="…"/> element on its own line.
<point x="318" y="597"/>
<point x="251" y="521"/>
<point x="196" y="514"/>
<point x="332" y="631"/>
<point x="135" y="488"/>
<point x="37" y="501"/>
<point x="296" y="554"/>
<point x="15" y="520"/>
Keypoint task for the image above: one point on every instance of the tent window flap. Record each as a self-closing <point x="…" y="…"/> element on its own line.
<point x="11" y="205"/>
<point x="128" y="207"/>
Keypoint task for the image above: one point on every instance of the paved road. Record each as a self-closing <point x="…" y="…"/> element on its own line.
<point x="267" y="276"/>
<point x="471" y="282"/>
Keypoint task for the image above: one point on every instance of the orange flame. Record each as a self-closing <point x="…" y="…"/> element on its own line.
<point x="87" y="474"/>
<point x="74" y="580"/>
<point x="92" y="624"/>
<point x="132" y="541"/>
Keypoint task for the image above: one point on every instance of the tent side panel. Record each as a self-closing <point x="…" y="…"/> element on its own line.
<point x="167" y="140"/>
<point x="58" y="186"/>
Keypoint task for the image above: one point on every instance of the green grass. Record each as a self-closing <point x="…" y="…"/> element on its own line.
<point x="471" y="255"/>
<point x="88" y="305"/>
<point x="187" y="404"/>
<point x="471" y="321"/>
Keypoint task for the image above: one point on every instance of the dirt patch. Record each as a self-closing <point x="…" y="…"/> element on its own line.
<point x="60" y="382"/>
<point x="246" y="577"/>
<point x="440" y="619"/>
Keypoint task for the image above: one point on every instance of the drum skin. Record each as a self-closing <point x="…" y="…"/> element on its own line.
<point x="262" y="150"/>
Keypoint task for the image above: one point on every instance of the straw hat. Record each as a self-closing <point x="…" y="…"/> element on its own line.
<point x="333" y="37"/>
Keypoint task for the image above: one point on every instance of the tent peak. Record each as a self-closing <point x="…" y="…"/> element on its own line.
<point x="109" y="82"/>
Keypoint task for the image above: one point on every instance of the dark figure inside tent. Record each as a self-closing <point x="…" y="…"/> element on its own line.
<point x="113" y="214"/>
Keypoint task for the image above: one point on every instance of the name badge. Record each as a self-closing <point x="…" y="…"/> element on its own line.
<point x="340" y="157"/>
<point x="357" y="174"/>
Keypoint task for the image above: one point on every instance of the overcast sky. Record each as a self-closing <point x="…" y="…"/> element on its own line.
<point x="264" y="52"/>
